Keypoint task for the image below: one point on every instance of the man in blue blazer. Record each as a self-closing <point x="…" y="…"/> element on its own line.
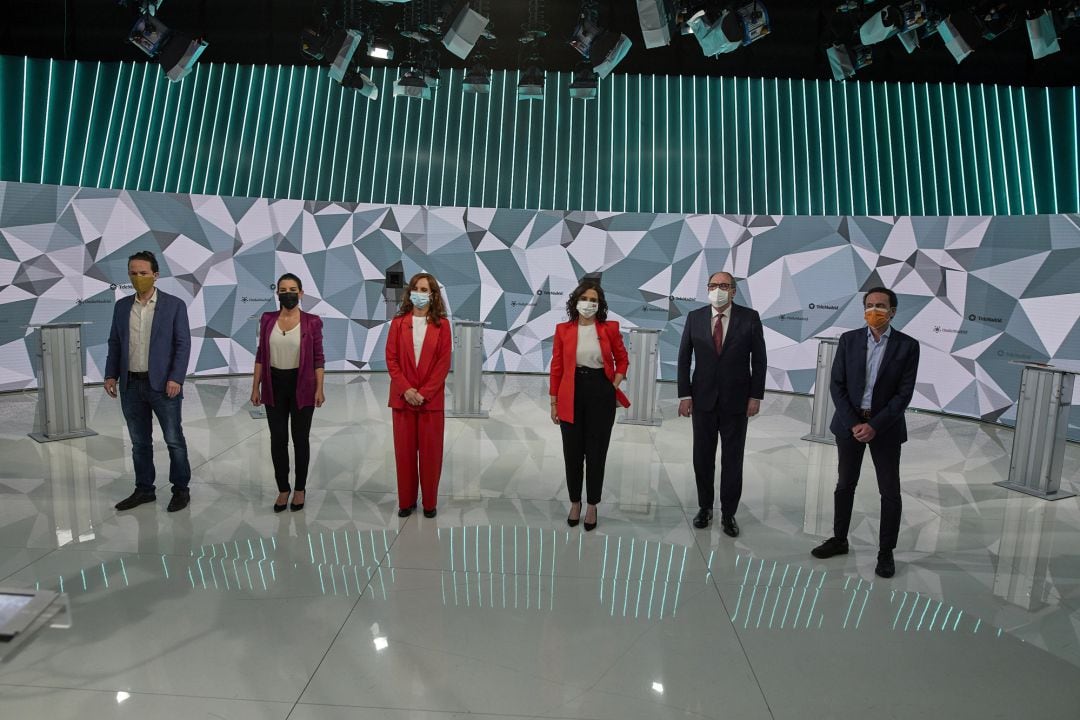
<point x="873" y="379"/>
<point x="149" y="347"/>
<point x="727" y="346"/>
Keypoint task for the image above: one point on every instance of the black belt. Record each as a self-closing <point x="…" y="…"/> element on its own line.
<point x="864" y="414"/>
<point x="138" y="375"/>
<point x="582" y="370"/>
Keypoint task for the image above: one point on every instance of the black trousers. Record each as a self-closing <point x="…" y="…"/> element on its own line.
<point x="283" y="413"/>
<point x="730" y="429"/>
<point x="886" y="456"/>
<point x="586" y="440"/>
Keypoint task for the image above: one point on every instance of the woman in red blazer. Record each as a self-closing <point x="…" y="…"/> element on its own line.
<point x="418" y="358"/>
<point x="289" y="381"/>
<point x="588" y="362"/>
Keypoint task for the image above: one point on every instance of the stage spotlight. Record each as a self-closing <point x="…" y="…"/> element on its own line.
<point x="1043" y="33"/>
<point x="478" y="78"/>
<point x="380" y="49"/>
<point x="176" y="52"/>
<point x="586" y="83"/>
<point x="994" y="18"/>
<point x="910" y="40"/>
<point x="312" y="43"/>
<point x="531" y="84"/>
<point x="954" y="41"/>
<point x="361" y="83"/>
<point x="733" y="29"/>
<point x="593" y="41"/>
<point x="468" y="27"/>
<point x="619" y="47"/>
<point x="655" y="20"/>
<point x="893" y="20"/>
<point x="343" y="44"/>
<point x="844" y="63"/>
<point x="149" y="35"/>
<point x="412" y="85"/>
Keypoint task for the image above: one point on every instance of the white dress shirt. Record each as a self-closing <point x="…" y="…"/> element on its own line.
<point x="419" y="330"/>
<point x="285" y="348"/>
<point x="139" y="325"/>
<point x="588" y="347"/>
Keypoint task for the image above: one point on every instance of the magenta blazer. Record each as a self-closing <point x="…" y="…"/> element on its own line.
<point x="311" y="357"/>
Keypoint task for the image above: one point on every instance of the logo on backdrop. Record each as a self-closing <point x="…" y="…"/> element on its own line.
<point x="260" y="300"/>
<point x="121" y="286"/>
<point x="522" y="303"/>
<point x="653" y="308"/>
<point x="683" y="299"/>
<point x="949" y="331"/>
<point x="1013" y="355"/>
<point x="94" y="301"/>
<point x="823" y="306"/>
<point x="983" y="318"/>
<point x="794" y="317"/>
<point x="549" y="292"/>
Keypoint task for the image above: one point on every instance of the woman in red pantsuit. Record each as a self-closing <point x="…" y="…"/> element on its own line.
<point x="418" y="358"/>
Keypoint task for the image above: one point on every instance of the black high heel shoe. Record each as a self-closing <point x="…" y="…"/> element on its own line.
<point x="573" y="521"/>
<point x="297" y="506"/>
<point x="406" y="511"/>
<point x="591" y="525"/>
<point x="430" y="513"/>
<point x="282" y="506"/>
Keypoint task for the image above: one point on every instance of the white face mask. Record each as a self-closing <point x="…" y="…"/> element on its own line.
<point x="586" y="308"/>
<point x="719" y="298"/>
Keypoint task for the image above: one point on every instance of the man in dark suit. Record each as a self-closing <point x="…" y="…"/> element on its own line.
<point x="727" y="346"/>
<point x="149" y="347"/>
<point x="873" y="379"/>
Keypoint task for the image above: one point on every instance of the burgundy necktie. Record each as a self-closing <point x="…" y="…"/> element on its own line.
<point x="718" y="334"/>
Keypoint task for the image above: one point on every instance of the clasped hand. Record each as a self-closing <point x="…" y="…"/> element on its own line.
<point x="413" y="397"/>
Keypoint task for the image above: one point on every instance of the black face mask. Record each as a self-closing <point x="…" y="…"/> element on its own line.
<point x="289" y="300"/>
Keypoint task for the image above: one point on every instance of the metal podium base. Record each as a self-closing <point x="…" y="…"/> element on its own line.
<point x="43" y="438"/>
<point x="257" y="413"/>
<point x="478" y="415"/>
<point x="1057" y="495"/>
<point x="824" y="439"/>
<point x="655" y="422"/>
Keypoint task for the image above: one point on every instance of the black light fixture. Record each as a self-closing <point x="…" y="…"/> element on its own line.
<point x="177" y="52"/>
<point x="586" y="83"/>
<point x="602" y="47"/>
<point x="726" y="30"/>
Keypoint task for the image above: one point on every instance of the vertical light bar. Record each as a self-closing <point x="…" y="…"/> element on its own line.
<point x="806" y="147"/>
<point x="309" y="137"/>
<point x="1004" y="161"/>
<point x="469" y="196"/>
<point x="974" y="149"/>
<point x="108" y="125"/>
<point x="626" y="137"/>
<point x="639" y="134"/>
<point x="1076" y="152"/>
<point x="281" y="142"/>
<point x="213" y="130"/>
<point x="404" y="145"/>
<point x="1050" y="144"/>
<point x="1031" y="164"/>
<point x="45" y="124"/>
<point x="750" y="139"/>
<point x="22" y="126"/>
<point x="228" y="133"/>
<point x="596" y="161"/>
<point x="337" y="137"/>
<point x="933" y="150"/>
<point x="555" y="168"/>
<point x="585" y="150"/>
<point x="528" y="155"/>
<point x="611" y="148"/>
<point x="67" y="125"/>
<point x="243" y="125"/>
<point x="735" y="134"/>
<point x="416" y="161"/>
<point x="877" y="151"/>
<point x="89" y="123"/>
<point x="723" y="144"/>
<point x="682" y="146"/>
<point x="708" y="141"/>
<point x="821" y="147"/>
<point x="487" y="146"/>
<point x="258" y="125"/>
<point x="296" y="131"/>
<point x="764" y="147"/>
<point x="446" y="135"/>
<point x="569" y="152"/>
<point x="138" y="111"/>
<point x="457" y="148"/>
<point x="835" y="160"/>
<point x="847" y="155"/>
<point x="791" y="125"/>
<point x="918" y="153"/>
<point x="161" y="131"/>
<point x="960" y="148"/>
<point x="149" y="128"/>
<point x="895" y="209"/>
<point x="187" y="133"/>
<point x="543" y="144"/>
<point x="502" y="120"/>
<point x="945" y="149"/>
<point x="862" y="149"/>
<point x="989" y="157"/>
<point x="367" y="116"/>
<point x="390" y="142"/>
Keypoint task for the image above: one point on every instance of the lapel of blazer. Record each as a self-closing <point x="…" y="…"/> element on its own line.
<point x="124" y="322"/>
<point x="891" y="349"/>
<point x="406" y="345"/>
<point x="159" y="310"/>
<point x="605" y="343"/>
<point x="729" y="331"/>
<point x="860" y="365"/>
<point x="570" y="345"/>
<point x="431" y="339"/>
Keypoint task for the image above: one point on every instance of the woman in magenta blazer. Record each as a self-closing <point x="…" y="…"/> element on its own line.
<point x="418" y="349"/>
<point x="588" y="362"/>
<point x="289" y="381"/>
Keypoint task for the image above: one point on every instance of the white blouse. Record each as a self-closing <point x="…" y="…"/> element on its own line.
<point x="285" y="348"/>
<point x="588" y="347"/>
<point x="419" y="330"/>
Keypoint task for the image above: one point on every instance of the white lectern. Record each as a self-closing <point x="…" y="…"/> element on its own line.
<point x="1042" y="423"/>
<point x="468" y="365"/>
<point x="642" y="387"/>
<point x="61" y="406"/>
<point x="823" y="402"/>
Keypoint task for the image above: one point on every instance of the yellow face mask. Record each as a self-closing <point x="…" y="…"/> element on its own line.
<point x="142" y="283"/>
<point x="876" y="318"/>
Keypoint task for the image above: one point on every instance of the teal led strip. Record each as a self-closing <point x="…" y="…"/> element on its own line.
<point x="646" y="144"/>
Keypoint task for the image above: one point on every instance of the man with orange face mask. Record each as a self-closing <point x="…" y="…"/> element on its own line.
<point x="873" y="379"/>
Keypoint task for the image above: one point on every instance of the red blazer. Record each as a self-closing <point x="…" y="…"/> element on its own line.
<point x="564" y="360"/>
<point x="429" y="377"/>
<point x="311" y="357"/>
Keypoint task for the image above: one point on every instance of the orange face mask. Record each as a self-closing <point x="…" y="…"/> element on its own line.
<point x="876" y="318"/>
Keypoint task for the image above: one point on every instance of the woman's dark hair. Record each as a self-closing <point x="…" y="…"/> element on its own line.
<point x="571" y="304"/>
<point x="436" y="310"/>
<point x="288" y="276"/>
<point x="147" y="256"/>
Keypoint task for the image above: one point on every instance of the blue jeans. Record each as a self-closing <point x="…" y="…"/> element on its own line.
<point x="138" y="401"/>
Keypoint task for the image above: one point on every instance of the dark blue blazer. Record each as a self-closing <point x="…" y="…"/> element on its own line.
<point x="724" y="381"/>
<point x="892" y="391"/>
<point x="170" y="342"/>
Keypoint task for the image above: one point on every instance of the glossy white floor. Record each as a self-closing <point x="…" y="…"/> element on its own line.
<point x="496" y="609"/>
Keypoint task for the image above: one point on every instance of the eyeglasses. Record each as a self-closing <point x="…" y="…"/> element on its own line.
<point x="720" y="286"/>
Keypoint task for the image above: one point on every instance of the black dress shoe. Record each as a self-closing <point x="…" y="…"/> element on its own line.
<point x="573" y="521"/>
<point x="832" y="546"/>
<point x="589" y="526"/>
<point x="281" y="507"/>
<point x="430" y="513"/>
<point x="179" y="501"/>
<point x="731" y="528"/>
<point x="137" y="498"/>
<point x="703" y="518"/>
<point x="886" y="566"/>
<point x="406" y="512"/>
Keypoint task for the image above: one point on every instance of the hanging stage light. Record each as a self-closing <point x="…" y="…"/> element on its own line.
<point x="604" y="48"/>
<point x="467" y="27"/>
<point x="1042" y="33"/>
<point x="655" y="20"/>
<point x="893" y="20"/>
<point x="586" y="83"/>
<point x="731" y="30"/>
<point x="344" y="44"/>
<point x="531" y="84"/>
<point x="175" y="51"/>
<point x="361" y="83"/>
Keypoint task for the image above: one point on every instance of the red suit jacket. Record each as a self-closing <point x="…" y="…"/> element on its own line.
<point x="429" y="377"/>
<point x="311" y="357"/>
<point x="564" y="360"/>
